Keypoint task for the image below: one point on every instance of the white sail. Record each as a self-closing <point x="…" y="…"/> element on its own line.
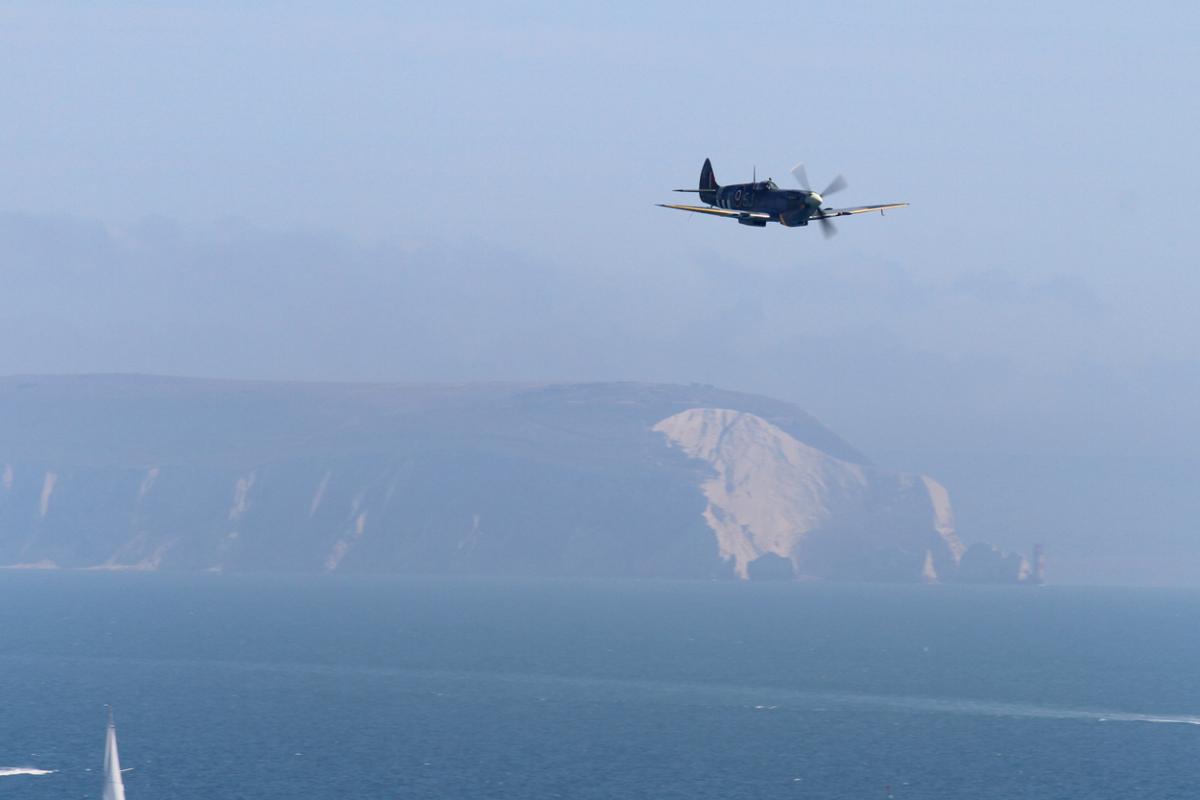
<point x="114" y="789"/>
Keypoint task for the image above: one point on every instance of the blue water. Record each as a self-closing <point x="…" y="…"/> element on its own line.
<point x="266" y="688"/>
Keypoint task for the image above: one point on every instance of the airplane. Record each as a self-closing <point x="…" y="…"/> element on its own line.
<point x="757" y="203"/>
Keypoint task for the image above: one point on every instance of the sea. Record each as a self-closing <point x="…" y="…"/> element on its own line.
<point x="253" y="687"/>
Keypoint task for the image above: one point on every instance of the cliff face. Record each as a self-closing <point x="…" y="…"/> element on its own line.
<point x="126" y="472"/>
<point x="770" y="494"/>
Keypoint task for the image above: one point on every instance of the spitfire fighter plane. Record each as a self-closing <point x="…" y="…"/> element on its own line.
<point x="758" y="203"/>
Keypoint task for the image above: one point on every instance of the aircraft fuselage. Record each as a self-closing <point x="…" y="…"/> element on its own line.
<point x="763" y="197"/>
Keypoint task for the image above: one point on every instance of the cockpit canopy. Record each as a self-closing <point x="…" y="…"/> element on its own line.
<point x="770" y="186"/>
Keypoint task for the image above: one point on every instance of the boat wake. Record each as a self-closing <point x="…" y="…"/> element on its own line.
<point x="990" y="709"/>
<point x="6" y="772"/>
<point x="1140" y="718"/>
<point x="759" y="698"/>
<point x="755" y="697"/>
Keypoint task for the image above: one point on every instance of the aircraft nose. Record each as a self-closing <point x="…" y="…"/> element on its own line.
<point x="815" y="199"/>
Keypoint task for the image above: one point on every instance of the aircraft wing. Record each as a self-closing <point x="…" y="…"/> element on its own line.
<point x="720" y="212"/>
<point x="845" y="212"/>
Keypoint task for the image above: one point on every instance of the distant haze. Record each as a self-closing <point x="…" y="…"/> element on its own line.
<point x="302" y="191"/>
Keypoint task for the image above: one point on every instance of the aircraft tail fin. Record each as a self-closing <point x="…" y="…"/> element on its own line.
<point x="708" y="184"/>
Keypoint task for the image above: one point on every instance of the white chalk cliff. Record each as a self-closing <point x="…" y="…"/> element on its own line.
<point x="595" y="479"/>
<point x="771" y="494"/>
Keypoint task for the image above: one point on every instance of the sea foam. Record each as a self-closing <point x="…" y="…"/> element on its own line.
<point x="6" y="772"/>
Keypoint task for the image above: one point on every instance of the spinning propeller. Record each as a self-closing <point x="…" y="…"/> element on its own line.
<point x="816" y="198"/>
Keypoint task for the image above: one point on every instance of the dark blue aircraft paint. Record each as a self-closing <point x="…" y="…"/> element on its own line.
<point x="791" y="207"/>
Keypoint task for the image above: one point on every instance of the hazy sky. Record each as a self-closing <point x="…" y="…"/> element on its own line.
<point x="402" y="192"/>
